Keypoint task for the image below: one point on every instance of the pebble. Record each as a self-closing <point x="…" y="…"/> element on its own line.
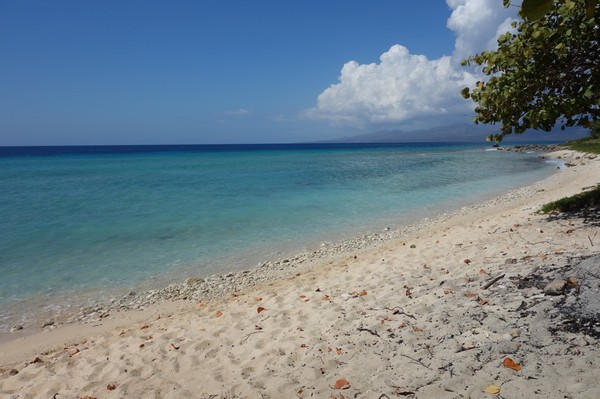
<point x="555" y="287"/>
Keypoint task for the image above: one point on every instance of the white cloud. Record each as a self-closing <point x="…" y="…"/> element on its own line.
<point x="238" y="112"/>
<point x="404" y="86"/>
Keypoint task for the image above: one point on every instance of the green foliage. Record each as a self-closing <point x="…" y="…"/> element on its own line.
<point x="589" y="144"/>
<point x="575" y="203"/>
<point x="595" y="130"/>
<point x="535" y="9"/>
<point x="547" y="71"/>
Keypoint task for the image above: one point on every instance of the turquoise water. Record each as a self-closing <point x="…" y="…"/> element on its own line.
<point x="84" y="219"/>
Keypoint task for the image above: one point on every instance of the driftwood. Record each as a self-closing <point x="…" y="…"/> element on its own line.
<point x="493" y="281"/>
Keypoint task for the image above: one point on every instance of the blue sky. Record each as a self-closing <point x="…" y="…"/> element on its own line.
<point x="152" y="72"/>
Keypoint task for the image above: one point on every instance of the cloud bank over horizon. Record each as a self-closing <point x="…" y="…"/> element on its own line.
<point x="405" y="87"/>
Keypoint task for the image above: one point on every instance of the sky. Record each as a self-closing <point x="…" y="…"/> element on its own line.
<point x="205" y="72"/>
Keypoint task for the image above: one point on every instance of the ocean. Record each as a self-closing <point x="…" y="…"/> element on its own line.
<point x="106" y="220"/>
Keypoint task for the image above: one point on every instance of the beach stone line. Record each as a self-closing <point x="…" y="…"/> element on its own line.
<point x="555" y="287"/>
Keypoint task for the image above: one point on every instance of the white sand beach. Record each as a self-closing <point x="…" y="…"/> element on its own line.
<point x="449" y="310"/>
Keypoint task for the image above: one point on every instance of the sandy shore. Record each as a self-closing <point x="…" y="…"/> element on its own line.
<point x="401" y="314"/>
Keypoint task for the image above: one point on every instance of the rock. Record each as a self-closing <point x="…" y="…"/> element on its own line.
<point x="48" y="323"/>
<point x="16" y="327"/>
<point x="194" y="281"/>
<point x="555" y="287"/>
<point x="510" y="261"/>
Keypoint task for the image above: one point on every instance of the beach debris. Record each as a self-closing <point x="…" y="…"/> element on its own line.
<point x="73" y="352"/>
<point x="448" y="291"/>
<point x="88" y="397"/>
<point x="325" y="297"/>
<point x="510" y="261"/>
<point x="219" y="313"/>
<point x="511" y="364"/>
<point x="260" y="309"/>
<point x="16" y="327"/>
<point x="145" y="326"/>
<point x="467" y="261"/>
<point x="413" y="246"/>
<point x="470" y="295"/>
<point x="493" y="281"/>
<point x="141" y="346"/>
<point x="341" y="384"/>
<point x="36" y="360"/>
<point x="408" y="291"/>
<point x="111" y="387"/>
<point x="555" y="287"/>
<point x="492" y="389"/>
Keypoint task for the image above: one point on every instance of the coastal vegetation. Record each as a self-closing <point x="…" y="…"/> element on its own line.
<point x="577" y="202"/>
<point x="544" y="72"/>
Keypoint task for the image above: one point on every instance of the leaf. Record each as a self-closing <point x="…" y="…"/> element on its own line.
<point x="493" y="389"/>
<point x="341" y="384"/>
<point x="534" y="10"/>
<point x="260" y="309"/>
<point x="508" y="362"/>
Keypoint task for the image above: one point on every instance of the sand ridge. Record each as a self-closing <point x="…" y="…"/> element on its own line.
<point x="408" y="318"/>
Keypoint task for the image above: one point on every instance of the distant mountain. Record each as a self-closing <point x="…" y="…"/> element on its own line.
<point x="459" y="133"/>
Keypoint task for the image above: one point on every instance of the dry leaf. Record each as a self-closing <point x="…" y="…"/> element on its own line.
<point x="111" y="387"/>
<point x="362" y="293"/>
<point x="342" y="384"/>
<point x="260" y="309"/>
<point x="219" y="313"/>
<point x="493" y="389"/>
<point x="508" y="362"/>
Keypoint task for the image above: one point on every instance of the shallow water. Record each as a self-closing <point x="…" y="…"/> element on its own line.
<point x="106" y="219"/>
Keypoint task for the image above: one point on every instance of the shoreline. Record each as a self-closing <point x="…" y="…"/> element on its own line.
<point x="214" y="286"/>
<point x="219" y="286"/>
<point x="279" y="283"/>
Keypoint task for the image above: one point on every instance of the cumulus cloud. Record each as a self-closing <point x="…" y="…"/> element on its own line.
<point x="404" y="86"/>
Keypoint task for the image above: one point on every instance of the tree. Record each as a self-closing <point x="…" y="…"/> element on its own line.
<point x="545" y="72"/>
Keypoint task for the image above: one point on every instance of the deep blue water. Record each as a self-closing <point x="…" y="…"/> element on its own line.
<point x="81" y="219"/>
